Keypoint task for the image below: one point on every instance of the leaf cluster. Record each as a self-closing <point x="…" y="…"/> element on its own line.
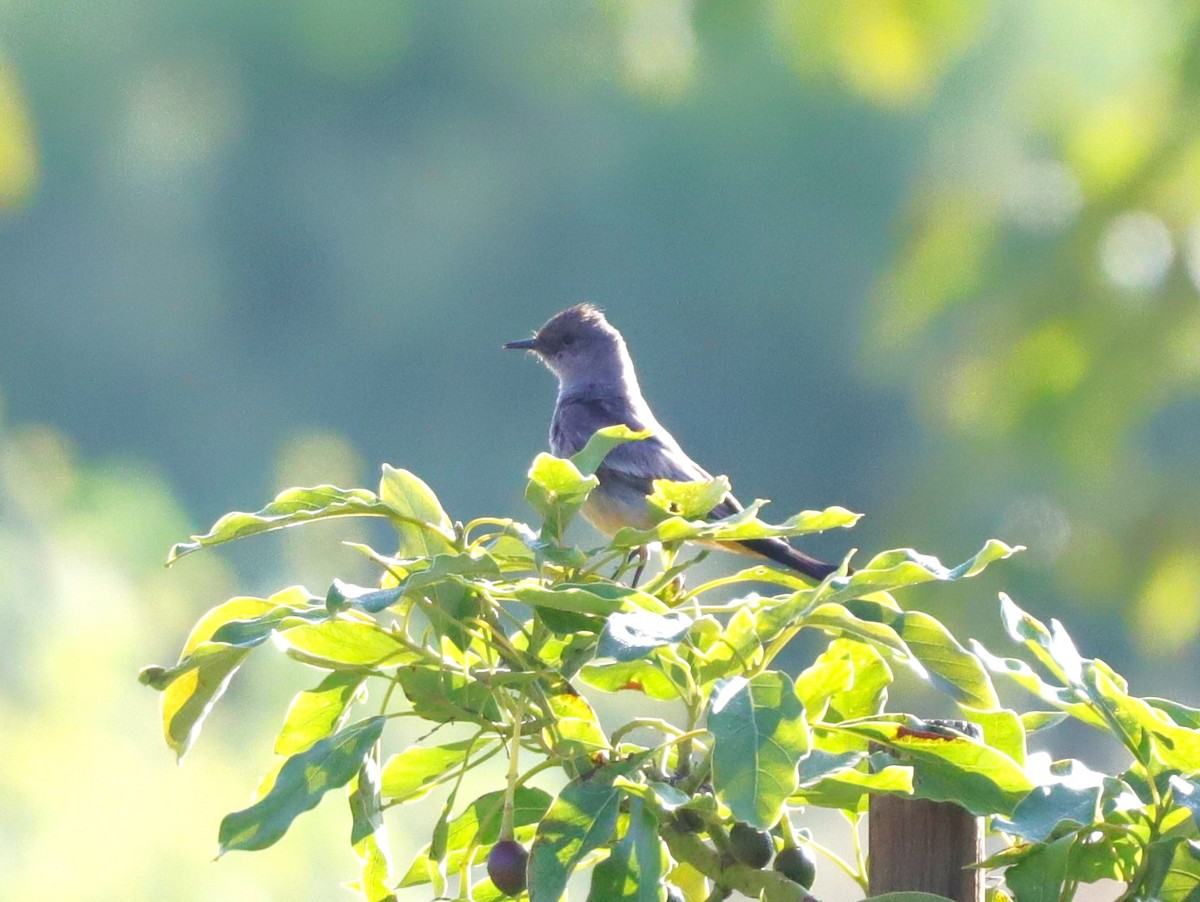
<point x="503" y="629"/>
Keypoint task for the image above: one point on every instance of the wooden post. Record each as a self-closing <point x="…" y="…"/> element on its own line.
<point x="921" y="846"/>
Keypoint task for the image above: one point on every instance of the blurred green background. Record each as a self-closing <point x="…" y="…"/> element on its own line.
<point x="934" y="260"/>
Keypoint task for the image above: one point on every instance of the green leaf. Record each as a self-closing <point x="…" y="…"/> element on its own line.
<point x="736" y="528"/>
<point x="316" y="713"/>
<point x="908" y="896"/>
<point x="848" y="680"/>
<point x="1180" y="880"/>
<point x="951" y="668"/>
<point x="1072" y="800"/>
<point x="948" y="766"/>
<point x="1023" y="675"/>
<point x="759" y="736"/>
<point x="1032" y="721"/>
<point x="903" y="567"/>
<point x="205" y="667"/>
<point x="725" y="651"/>
<point x="576" y="731"/>
<point x="342" y="595"/>
<point x="368" y="834"/>
<point x="1047" y="808"/>
<point x="193" y="687"/>
<point x="303" y="780"/>
<point x="1144" y="729"/>
<point x="850" y="789"/>
<point x="1186" y="794"/>
<point x="443" y="695"/>
<point x="1052" y="646"/>
<point x="346" y="645"/>
<point x="449" y="586"/>
<point x="557" y="490"/>
<point x="1039" y="875"/>
<point x="633" y="635"/>
<point x="839" y="619"/>
<point x="410" y="775"/>
<point x="600" y="599"/>
<point x="1002" y="730"/>
<point x="689" y="500"/>
<point x="588" y="459"/>
<point x="257" y="630"/>
<point x="1181" y="714"/>
<point x="290" y="508"/>
<point x="425" y="529"/>
<point x="634" y="871"/>
<point x="582" y="819"/>
<point x="646" y="676"/>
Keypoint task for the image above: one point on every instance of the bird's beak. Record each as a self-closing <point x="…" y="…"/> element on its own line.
<point x="525" y="344"/>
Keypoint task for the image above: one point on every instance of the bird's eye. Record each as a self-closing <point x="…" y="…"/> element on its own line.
<point x="568" y="340"/>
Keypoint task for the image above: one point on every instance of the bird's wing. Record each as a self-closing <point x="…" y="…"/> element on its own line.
<point x="633" y="464"/>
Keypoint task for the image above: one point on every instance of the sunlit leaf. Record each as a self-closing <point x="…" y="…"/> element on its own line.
<point x="736" y="528"/>
<point x="368" y="834"/>
<point x="1002" y="729"/>
<point x="647" y="675"/>
<point x="948" y="766"/>
<point x="847" y="680"/>
<point x="589" y="458"/>
<point x="903" y="567"/>
<point x="1023" y="675"/>
<point x="850" y="789"/>
<point x="759" y="736"/>
<point x="628" y="636"/>
<point x="346" y="644"/>
<point x="425" y="529"/>
<point x="576" y="730"/>
<point x="725" y="651"/>
<point x="316" y="713"/>
<point x="689" y="500"/>
<point x="951" y="668"/>
<point x="556" y="490"/>
<point x="634" y="869"/>
<point x="582" y="819"/>
<point x="839" y="619"/>
<point x="290" y="507"/>
<point x="410" y="775"/>
<point x="442" y="695"/>
<point x="1039" y="875"/>
<point x="303" y="780"/>
<point x="1047" y="807"/>
<point x="1144" y="728"/>
<point x="205" y="667"/>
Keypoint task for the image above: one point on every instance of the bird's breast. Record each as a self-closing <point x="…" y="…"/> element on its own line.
<point x="611" y="508"/>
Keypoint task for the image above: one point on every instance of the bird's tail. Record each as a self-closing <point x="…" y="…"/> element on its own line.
<point x="781" y="552"/>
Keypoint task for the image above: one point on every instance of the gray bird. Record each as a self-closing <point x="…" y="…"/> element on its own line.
<point x="597" y="387"/>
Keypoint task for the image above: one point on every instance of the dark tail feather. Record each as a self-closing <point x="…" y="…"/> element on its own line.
<point x="781" y="552"/>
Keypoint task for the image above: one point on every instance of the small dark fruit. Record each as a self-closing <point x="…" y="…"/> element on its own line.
<point x="798" y="865"/>
<point x="751" y="847"/>
<point x="688" y="821"/>
<point x="506" y="866"/>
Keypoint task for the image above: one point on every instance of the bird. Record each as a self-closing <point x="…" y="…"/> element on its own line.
<point x="598" y="387"/>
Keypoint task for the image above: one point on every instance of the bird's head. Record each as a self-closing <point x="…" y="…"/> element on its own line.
<point x="579" y="346"/>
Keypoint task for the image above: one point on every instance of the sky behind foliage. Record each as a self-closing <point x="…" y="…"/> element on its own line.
<point x="934" y="261"/>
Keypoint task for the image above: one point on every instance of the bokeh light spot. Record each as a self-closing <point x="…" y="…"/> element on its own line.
<point x="18" y="153"/>
<point x="1168" y="608"/>
<point x="1136" y="251"/>
<point x="658" y="47"/>
<point x="1043" y="196"/>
